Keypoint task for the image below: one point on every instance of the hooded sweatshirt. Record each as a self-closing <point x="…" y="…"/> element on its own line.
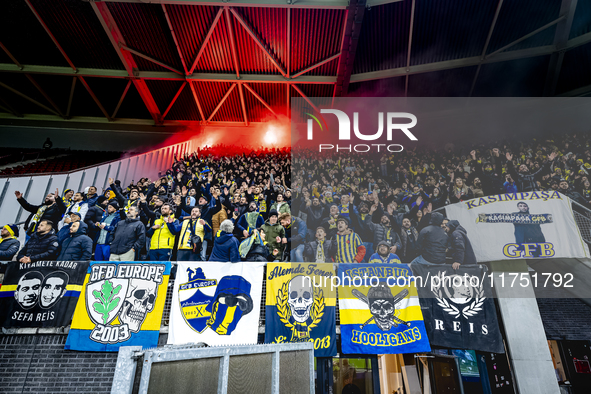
<point x="77" y="246"/>
<point x="433" y="240"/>
<point x="225" y="248"/>
<point x="459" y="243"/>
<point x="376" y="258"/>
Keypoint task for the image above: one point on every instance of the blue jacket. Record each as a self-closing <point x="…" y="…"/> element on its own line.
<point x="225" y="248"/>
<point x="77" y="246"/>
<point x="377" y="259"/>
<point x="243" y="224"/>
<point x="8" y="248"/>
<point x="110" y="227"/>
<point x="301" y="232"/>
<point x="510" y="188"/>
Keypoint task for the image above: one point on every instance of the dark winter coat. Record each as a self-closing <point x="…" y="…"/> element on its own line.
<point x="460" y="245"/>
<point x="259" y="252"/>
<point x="8" y="249"/>
<point x="410" y="244"/>
<point x="315" y="216"/>
<point x="225" y="248"/>
<point x="40" y="247"/>
<point x="329" y="247"/>
<point x="77" y="246"/>
<point x="53" y="213"/>
<point x="94" y="214"/>
<point x="527" y="182"/>
<point x="128" y="234"/>
<point x="433" y="240"/>
<point x="300" y="231"/>
<point x="388" y="234"/>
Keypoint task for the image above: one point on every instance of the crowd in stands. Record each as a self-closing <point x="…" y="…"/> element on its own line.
<point x="216" y="205"/>
<point x="210" y="206"/>
<point x="368" y="207"/>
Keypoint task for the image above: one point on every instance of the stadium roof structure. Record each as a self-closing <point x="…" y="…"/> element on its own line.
<point x="238" y="62"/>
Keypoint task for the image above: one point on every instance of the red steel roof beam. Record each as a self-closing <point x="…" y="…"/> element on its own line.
<point x="176" y="43"/>
<point x="108" y="22"/>
<point x="150" y="59"/>
<point x="71" y="98"/>
<point x="96" y="100"/>
<point x="288" y="38"/>
<point x="192" y="86"/>
<point x="176" y="96"/>
<point x="258" y="41"/>
<point x="28" y="98"/>
<point x="50" y="35"/>
<point x="206" y="40"/>
<point x="10" y="56"/>
<point x="328" y="59"/>
<point x="305" y="97"/>
<point x="349" y="41"/>
<point x="121" y="99"/>
<point x="232" y="42"/>
<point x="258" y="97"/>
<point x="242" y="103"/>
<point x="40" y="89"/>
<point x="221" y="102"/>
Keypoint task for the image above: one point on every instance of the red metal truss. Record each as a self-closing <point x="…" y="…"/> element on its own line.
<point x="255" y="94"/>
<point x="114" y="34"/>
<point x="176" y="96"/>
<point x="258" y="41"/>
<point x="221" y="102"/>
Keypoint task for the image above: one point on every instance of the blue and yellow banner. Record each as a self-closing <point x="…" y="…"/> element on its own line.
<point x="40" y="294"/>
<point x="121" y="305"/>
<point x="300" y="306"/>
<point x="380" y="311"/>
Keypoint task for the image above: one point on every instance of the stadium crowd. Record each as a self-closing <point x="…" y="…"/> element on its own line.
<point x="216" y="205"/>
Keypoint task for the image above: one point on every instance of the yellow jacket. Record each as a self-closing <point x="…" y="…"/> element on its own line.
<point x="163" y="237"/>
<point x="186" y="233"/>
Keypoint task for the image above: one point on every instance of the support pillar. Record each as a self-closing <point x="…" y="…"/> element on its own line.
<point x="530" y="357"/>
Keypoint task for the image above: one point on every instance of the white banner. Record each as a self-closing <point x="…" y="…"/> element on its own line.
<point x="528" y="225"/>
<point x="216" y="303"/>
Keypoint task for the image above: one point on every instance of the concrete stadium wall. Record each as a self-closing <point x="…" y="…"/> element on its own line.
<point x="39" y="364"/>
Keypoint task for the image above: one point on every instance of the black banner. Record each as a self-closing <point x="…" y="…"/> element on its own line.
<point x="41" y="294"/>
<point x="458" y="308"/>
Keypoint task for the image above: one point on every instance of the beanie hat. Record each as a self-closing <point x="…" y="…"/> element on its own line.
<point x="67" y="191"/>
<point x="385" y="243"/>
<point x="100" y="200"/>
<point x="114" y="204"/>
<point x="273" y="212"/>
<point x="12" y="229"/>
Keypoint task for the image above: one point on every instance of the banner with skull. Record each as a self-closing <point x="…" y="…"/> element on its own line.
<point x="40" y="294"/>
<point x="215" y="303"/>
<point x="300" y="306"/>
<point x="380" y="311"/>
<point x="121" y="305"/>
<point x="458" y="307"/>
